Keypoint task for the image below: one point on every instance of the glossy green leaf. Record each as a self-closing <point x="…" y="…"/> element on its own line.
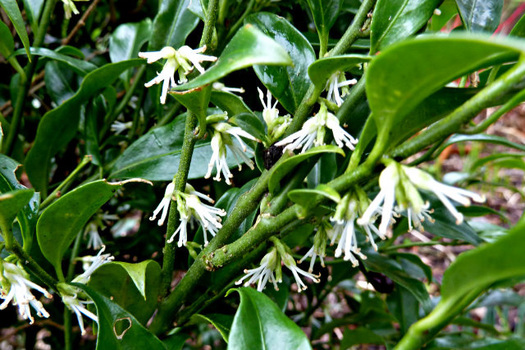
<point x="172" y="25"/>
<point x="395" y="20"/>
<point x="447" y="10"/>
<point x="251" y="124"/>
<point x="404" y="306"/>
<point x="134" y="287"/>
<point x="480" y="15"/>
<point x="395" y="272"/>
<point x="127" y="39"/>
<point x="13" y="12"/>
<point x="305" y="197"/>
<point x="117" y="328"/>
<point x="60" y="82"/>
<point x="7" y="43"/>
<point x="289" y="164"/>
<point x="287" y="84"/>
<point x="196" y="100"/>
<point x="10" y="204"/>
<point x="60" y="223"/>
<point x="497" y="140"/>
<point x="259" y="324"/>
<point x="321" y="70"/>
<point x="79" y="66"/>
<point x="28" y="215"/>
<point x="248" y="47"/>
<point x="175" y="342"/>
<point x="33" y="9"/>
<point x="360" y="335"/>
<point x="156" y="155"/>
<point x="223" y="323"/>
<point x="429" y="62"/>
<point x="519" y="28"/>
<point x="325" y="13"/>
<point x="59" y="125"/>
<point x="230" y="103"/>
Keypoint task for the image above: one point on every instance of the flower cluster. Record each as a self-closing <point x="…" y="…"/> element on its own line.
<point x="76" y="300"/>
<point x="400" y="183"/>
<point x="222" y="133"/>
<point x="16" y="289"/>
<point x="313" y="133"/>
<point x="276" y="125"/>
<point x="190" y="206"/>
<point x="69" y="7"/>
<point x="270" y="269"/>
<point x="91" y="263"/>
<point x="338" y="81"/>
<point x="182" y="60"/>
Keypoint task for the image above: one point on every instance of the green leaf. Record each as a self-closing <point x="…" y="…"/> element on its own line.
<point x="280" y="171"/>
<point x="156" y="155"/>
<point x="287" y="84"/>
<point x="196" y="100"/>
<point x="7" y="44"/>
<point x="360" y="335"/>
<point x="519" y="28"/>
<point x="134" y="287"/>
<point x="28" y="215"/>
<point x="60" y="82"/>
<point x="172" y="25"/>
<point x="248" y="47"/>
<point x="117" y="328"/>
<point x="223" y="323"/>
<point x="13" y="12"/>
<point x="10" y="205"/>
<point x="448" y="9"/>
<point x="480" y="15"/>
<point x="81" y="67"/>
<point x="230" y="103"/>
<point x="33" y="9"/>
<point x="404" y="306"/>
<point x="497" y="140"/>
<point x="321" y="70"/>
<point x="175" y="342"/>
<point x="395" y="272"/>
<point x="60" y="223"/>
<point x="305" y="197"/>
<point x="59" y="125"/>
<point x="259" y="324"/>
<point x="325" y="13"/>
<point x="429" y="62"/>
<point x="251" y="124"/>
<point x="126" y="41"/>
<point x="395" y="20"/>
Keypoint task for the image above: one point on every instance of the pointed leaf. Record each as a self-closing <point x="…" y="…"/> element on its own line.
<point x="321" y="70"/>
<point x="196" y="100"/>
<point x="287" y="84"/>
<point x="60" y="223"/>
<point x="325" y="13"/>
<point x="230" y="103"/>
<point x="117" y="328"/>
<point x="126" y="41"/>
<point x="223" y="323"/>
<point x="305" y="197"/>
<point x="480" y="15"/>
<point x="289" y="164"/>
<point x="10" y="204"/>
<point x="7" y="43"/>
<point x="59" y="125"/>
<point x="248" y="47"/>
<point x="81" y="67"/>
<point x="13" y="12"/>
<point x="395" y="20"/>
<point x="33" y="9"/>
<point x="172" y="25"/>
<point x="259" y="324"/>
<point x="251" y="124"/>
<point x="497" y="140"/>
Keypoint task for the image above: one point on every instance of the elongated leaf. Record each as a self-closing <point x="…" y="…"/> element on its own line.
<point x="33" y="9"/>
<point x="79" y="66"/>
<point x="156" y="155"/>
<point x="7" y="43"/>
<point x="287" y="84"/>
<point x="305" y="197"/>
<point x="230" y="103"/>
<point x="59" y="125"/>
<point x="60" y="82"/>
<point x="429" y="62"/>
<point x="360" y="335"/>
<point x="480" y="15"/>
<point x="395" y="20"/>
<point x="10" y="204"/>
<point x="223" y="323"/>
<point x="288" y="165"/>
<point x="498" y="140"/>
<point x="126" y="41"/>
<point x="251" y="124"/>
<point x="60" y="223"/>
<point x="325" y="13"/>
<point x="248" y="47"/>
<point x="13" y="12"/>
<point x="259" y="324"/>
<point x="134" y="287"/>
<point x="197" y="101"/>
<point x="321" y="70"/>
<point x="117" y="328"/>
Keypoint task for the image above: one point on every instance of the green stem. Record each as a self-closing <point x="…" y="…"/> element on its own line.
<point x="25" y="84"/>
<point x="239" y="22"/>
<point x="445" y="127"/>
<point x="68" y="330"/>
<point x="32" y="265"/>
<point x="74" y="254"/>
<point x="58" y="191"/>
<point x="209" y="24"/>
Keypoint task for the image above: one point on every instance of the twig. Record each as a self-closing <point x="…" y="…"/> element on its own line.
<point x="81" y="22"/>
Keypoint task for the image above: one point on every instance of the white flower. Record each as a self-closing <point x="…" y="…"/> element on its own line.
<point x="189" y="206"/>
<point x="118" y="127"/>
<point x="221" y="87"/>
<point x="175" y="60"/>
<point x="289" y="262"/>
<point x="334" y="85"/>
<point x="319" y="247"/>
<point x="313" y="132"/>
<point x="164" y="204"/>
<point x="73" y="303"/>
<point x="222" y="138"/>
<point x="401" y="183"/>
<point x="16" y="288"/>
<point x="276" y="125"/>
<point x="94" y="240"/>
<point x="264" y="273"/>
<point x="91" y="263"/>
<point x="416" y="219"/>
<point x="69" y="6"/>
